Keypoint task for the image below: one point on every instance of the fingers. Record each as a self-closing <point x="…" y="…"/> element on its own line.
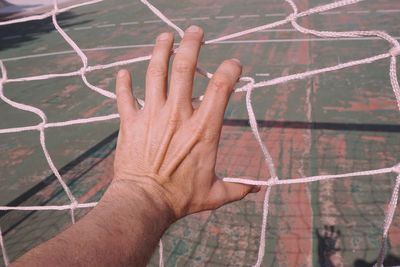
<point x="157" y="72"/>
<point x="126" y="102"/>
<point x="183" y="69"/>
<point x="222" y="193"/>
<point x="219" y="89"/>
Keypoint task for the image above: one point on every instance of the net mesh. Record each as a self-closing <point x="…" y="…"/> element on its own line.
<point x="248" y="88"/>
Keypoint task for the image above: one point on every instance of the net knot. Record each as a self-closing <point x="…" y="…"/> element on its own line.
<point x="41" y="126"/>
<point x="292" y="17"/>
<point x="249" y="86"/>
<point x="396" y="168"/>
<point x="74" y="205"/>
<point x="395" y="51"/>
<point x="273" y="180"/>
<point x="82" y="70"/>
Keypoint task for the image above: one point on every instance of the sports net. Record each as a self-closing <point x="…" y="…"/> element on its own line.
<point x="248" y="88"/>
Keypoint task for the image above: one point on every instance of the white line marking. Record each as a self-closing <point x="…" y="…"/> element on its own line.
<point x="302" y="40"/>
<point x="72" y="51"/>
<point x="83" y="28"/>
<point x="262" y="74"/>
<point x="249" y="16"/>
<point x="129" y="23"/>
<point x="359" y="12"/>
<point x="201" y="18"/>
<point x="330" y="13"/>
<point x="388" y="10"/>
<point x="39" y="55"/>
<point x="182" y="19"/>
<point x="105" y="25"/>
<point x="279" y="30"/>
<point x="223" y="42"/>
<point x="275" y="15"/>
<point x="11" y="37"/>
<point x="118" y="47"/>
<point x="152" y="21"/>
<point x="224" y="17"/>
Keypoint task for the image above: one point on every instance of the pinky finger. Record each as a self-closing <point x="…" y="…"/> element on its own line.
<point x="126" y="101"/>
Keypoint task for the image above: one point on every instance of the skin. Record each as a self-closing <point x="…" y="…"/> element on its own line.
<point x="164" y="166"/>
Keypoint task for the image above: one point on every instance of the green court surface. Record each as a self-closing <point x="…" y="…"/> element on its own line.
<point x="337" y="122"/>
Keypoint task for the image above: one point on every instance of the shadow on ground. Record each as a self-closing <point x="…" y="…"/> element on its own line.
<point x="390" y="260"/>
<point x="328" y="245"/>
<point x="8" y="10"/>
<point x="363" y="127"/>
<point x="16" y="35"/>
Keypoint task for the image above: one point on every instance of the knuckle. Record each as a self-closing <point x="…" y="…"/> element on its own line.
<point x="121" y="91"/>
<point x="174" y="120"/>
<point x="157" y="71"/>
<point x="183" y="67"/>
<point x="197" y="135"/>
<point x="123" y="94"/>
<point x="196" y="129"/>
<point x="172" y="123"/>
<point x="220" y="83"/>
<point x="203" y="133"/>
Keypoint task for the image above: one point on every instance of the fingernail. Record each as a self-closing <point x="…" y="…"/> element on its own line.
<point x="163" y="36"/>
<point x="236" y="60"/>
<point x="193" y="28"/>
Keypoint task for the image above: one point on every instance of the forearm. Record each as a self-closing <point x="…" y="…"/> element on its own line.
<point x="122" y="230"/>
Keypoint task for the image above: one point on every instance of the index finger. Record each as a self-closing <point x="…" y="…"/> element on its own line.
<point x="216" y="97"/>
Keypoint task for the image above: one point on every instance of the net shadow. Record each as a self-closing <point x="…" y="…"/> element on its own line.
<point x="32" y="30"/>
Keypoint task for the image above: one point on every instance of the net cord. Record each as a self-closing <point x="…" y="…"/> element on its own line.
<point x="3" y="250"/>
<point x="248" y="88"/>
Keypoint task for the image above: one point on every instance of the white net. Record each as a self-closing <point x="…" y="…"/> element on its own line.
<point x="249" y="86"/>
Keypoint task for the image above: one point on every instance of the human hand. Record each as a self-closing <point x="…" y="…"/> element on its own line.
<point x="169" y="148"/>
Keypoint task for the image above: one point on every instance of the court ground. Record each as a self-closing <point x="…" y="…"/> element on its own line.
<point x="332" y="123"/>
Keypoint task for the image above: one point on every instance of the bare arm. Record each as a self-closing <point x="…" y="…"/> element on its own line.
<point x="164" y="167"/>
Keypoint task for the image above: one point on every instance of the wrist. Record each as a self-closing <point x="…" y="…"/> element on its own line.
<point x="141" y="195"/>
<point x="127" y="216"/>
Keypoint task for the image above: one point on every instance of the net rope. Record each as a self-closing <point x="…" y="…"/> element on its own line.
<point x="249" y="87"/>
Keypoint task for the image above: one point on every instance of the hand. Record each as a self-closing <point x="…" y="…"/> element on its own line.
<point x="169" y="148"/>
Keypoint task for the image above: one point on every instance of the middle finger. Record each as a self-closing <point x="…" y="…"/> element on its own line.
<point x="183" y="69"/>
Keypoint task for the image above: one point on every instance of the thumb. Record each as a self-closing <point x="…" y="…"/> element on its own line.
<point x="224" y="192"/>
